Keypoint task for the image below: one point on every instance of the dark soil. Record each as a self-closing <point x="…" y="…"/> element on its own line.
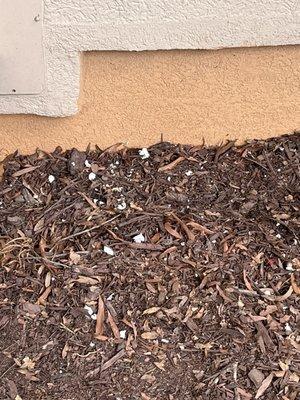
<point x="206" y="307"/>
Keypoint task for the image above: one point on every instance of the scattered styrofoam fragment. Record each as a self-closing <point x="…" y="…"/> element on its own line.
<point x="51" y="178"/>
<point x="144" y="153"/>
<point x="122" y="206"/>
<point x="140" y="238"/>
<point x="189" y="173"/>
<point x="108" y="250"/>
<point x="288" y="328"/>
<point x="87" y="164"/>
<point x="92" y="176"/>
<point x="89" y="310"/>
<point x="289" y="267"/>
<point x="123" y="334"/>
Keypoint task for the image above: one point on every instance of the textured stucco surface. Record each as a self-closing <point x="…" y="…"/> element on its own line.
<point x="81" y="25"/>
<point x="184" y="95"/>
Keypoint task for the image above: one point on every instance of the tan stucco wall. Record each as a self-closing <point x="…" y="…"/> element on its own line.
<point x="184" y="95"/>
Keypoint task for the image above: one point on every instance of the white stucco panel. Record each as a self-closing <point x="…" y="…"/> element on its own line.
<point x="72" y="26"/>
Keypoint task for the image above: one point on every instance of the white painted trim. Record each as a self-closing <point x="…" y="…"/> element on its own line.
<point x="70" y="29"/>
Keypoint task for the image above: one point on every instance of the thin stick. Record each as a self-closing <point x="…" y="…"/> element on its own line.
<point x="88" y="230"/>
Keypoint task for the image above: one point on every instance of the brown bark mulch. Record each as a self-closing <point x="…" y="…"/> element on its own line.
<point x="169" y="275"/>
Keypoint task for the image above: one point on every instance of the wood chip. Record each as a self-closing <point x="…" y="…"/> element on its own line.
<point x="44" y="296"/>
<point x="113" y="360"/>
<point x="295" y="287"/>
<point x="264" y="386"/>
<point x="113" y="326"/>
<point x="151" y="310"/>
<point x="100" y="317"/>
<point x="172" y="165"/>
<point x="24" y="171"/>
<point x="172" y="231"/>
<point x="149" y="335"/>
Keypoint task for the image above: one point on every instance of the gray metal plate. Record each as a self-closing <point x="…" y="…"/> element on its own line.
<point x="22" y="67"/>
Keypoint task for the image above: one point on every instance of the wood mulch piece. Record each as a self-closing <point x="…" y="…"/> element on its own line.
<point x="173" y="276"/>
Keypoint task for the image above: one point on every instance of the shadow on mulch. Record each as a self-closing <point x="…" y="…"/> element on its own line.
<point x="163" y="273"/>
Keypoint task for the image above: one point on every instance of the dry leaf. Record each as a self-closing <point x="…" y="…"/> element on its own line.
<point x="151" y="288"/>
<point x="151" y="310"/>
<point x="24" y="171"/>
<point x="243" y="392"/>
<point x="160" y="365"/>
<point x="144" y="396"/>
<point x="172" y="231"/>
<point x="264" y="386"/>
<point x="113" y="360"/>
<point x="149" y="335"/>
<point x="283" y="366"/>
<point x="100" y="317"/>
<point x="256" y="318"/>
<point x="131" y="325"/>
<point x="65" y="350"/>
<point x="258" y="258"/>
<point x="188" y="232"/>
<point x="39" y="225"/>
<point x="295" y="287"/>
<point x="86" y="280"/>
<point x="246" y="281"/>
<point x="113" y="325"/>
<point x="74" y="257"/>
<point x="148" y="378"/>
<point x="43" y="297"/>
<point x="102" y="338"/>
<point x="31" y="308"/>
<point x="200" y="228"/>
<point x="28" y="364"/>
<point x="286" y="295"/>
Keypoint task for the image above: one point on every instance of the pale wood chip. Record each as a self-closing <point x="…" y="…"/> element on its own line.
<point x="149" y="335"/>
<point x="264" y="386"/>
<point x="100" y="317"/>
<point x="113" y="325"/>
<point x="171" y="165"/>
<point x="151" y="310"/>
<point x="113" y="360"/>
<point x="295" y="287"/>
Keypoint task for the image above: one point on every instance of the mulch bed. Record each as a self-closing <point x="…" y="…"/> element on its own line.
<point x="169" y="275"/>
